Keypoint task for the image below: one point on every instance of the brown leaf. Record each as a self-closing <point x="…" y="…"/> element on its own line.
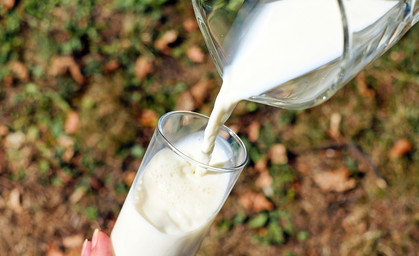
<point x="7" y="4"/>
<point x="54" y="251"/>
<point x="162" y="44"/>
<point x="195" y="54"/>
<point x="261" y="165"/>
<point x="363" y="87"/>
<point x="77" y="195"/>
<point x="190" y="25"/>
<point x="61" y="64"/>
<point x="149" y="118"/>
<point x="200" y="91"/>
<point x="129" y="177"/>
<point x="143" y="67"/>
<point x="264" y="180"/>
<point x="14" y="140"/>
<point x="337" y="180"/>
<point x="400" y="148"/>
<point x="72" y="122"/>
<point x="111" y="66"/>
<point x="8" y="80"/>
<point x="334" y="130"/>
<point x="14" y="201"/>
<point x="19" y="70"/>
<point x="253" y="131"/>
<point x="3" y="130"/>
<point x="185" y="101"/>
<point x="73" y="241"/>
<point x="278" y="154"/>
<point x="255" y="202"/>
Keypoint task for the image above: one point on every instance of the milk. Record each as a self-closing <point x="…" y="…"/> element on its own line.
<point x="274" y="49"/>
<point x="170" y="209"/>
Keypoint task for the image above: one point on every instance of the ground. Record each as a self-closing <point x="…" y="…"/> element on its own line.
<point x="82" y="85"/>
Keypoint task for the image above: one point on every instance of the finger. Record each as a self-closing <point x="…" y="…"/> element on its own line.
<point x="101" y="244"/>
<point x="87" y="248"/>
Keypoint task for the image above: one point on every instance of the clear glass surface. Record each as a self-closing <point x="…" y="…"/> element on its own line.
<point x="225" y="25"/>
<point x="135" y="232"/>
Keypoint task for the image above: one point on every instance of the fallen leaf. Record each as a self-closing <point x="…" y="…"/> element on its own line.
<point x="261" y="165"/>
<point x="185" y="101"/>
<point x="162" y="44"/>
<point x="255" y="202"/>
<point x="195" y="54"/>
<point x="54" y="251"/>
<point x="278" y="154"/>
<point x="264" y="180"/>
<point x="253" y="131"/>
<point x="7" y="4"/>
<point x="400" y="148"/>
<point x="3" y="130"/>
<point x="363" y="87"/>
<point x="334" y="130"/>
<point x="129" y="177"/>
<point x="200" y="91"/>
<point x="190" y="25"/>
<point x="73" y="241"/>
<point x="14" y="201"/>
<point x="111" y="66"/>
<point x="8" y="80"/>
<point x="14" y="140"/>
<point x="149" y="118"/>
<point x="143" y="67"/>
<point x="61" y="64"/>
<point x="337" y="180"/>
<point x="72" y="121"/>
<point x="19" y="70"/>
<point x="77" y="194"/>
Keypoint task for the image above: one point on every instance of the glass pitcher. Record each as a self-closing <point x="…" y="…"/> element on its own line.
<point x="296" y="54"/>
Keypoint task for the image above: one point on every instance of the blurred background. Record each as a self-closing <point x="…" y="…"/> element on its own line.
<point x="83" y="83"/>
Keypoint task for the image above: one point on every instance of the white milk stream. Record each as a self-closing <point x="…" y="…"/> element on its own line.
<point x="171" y="208"/>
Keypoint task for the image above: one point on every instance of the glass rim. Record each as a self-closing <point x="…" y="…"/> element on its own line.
<point x="208" y="167"/>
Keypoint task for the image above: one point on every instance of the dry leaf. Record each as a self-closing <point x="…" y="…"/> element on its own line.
<point x="261" y="165"/>
<point x="264" y="180"/>
<point x="162" y="44"/>
<point x="14" y="140"/>
<point x="8" y="80"/>
<point x="67" y="143"/>
<point x="149" y="118"/>
<point x="278" y="154"/>
<point x="72" y="122"/>
<point x="7" y="4"/>
<point x="185" y="101"/>
<point x="19" y="70"/>
<point x="400" y="148"/>
<point x="143" y="67"/>
<point x="54" y="251"/>
<point x="190" y="25"/>
<point x="14" y="201"/>
<point x="73" y="241"/>
<point x="253" y="131"/>
<point x="111" y="66"/>
<point x="363" y="88"/>
<point x="61" y="64"/>
<point x="200" y="91"/>
<point x="77" y="195"/>
<point x="129" y="177"/>
<point x="195" y="54"/>
<point x="335" y="120"/>
<point x="337" y="180"/>
<point x="255" y="202"/>
<point x="3" y="130"/>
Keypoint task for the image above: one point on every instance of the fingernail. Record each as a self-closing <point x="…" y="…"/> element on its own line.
<point x="83" y="250"/>
<point x="94" y="238"/>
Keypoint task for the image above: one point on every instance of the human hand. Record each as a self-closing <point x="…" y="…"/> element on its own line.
<point x="99" y="246"/>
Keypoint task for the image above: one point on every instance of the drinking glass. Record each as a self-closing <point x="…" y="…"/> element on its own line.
<point x="133" y="233"/>
<point x="320" y="45"/>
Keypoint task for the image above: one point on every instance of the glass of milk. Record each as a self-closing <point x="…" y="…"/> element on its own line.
<point x="296" y="54"/>
<point x="174" y="197"/>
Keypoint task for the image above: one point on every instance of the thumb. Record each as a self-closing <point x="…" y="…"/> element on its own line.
<point x="101" y="244"/>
